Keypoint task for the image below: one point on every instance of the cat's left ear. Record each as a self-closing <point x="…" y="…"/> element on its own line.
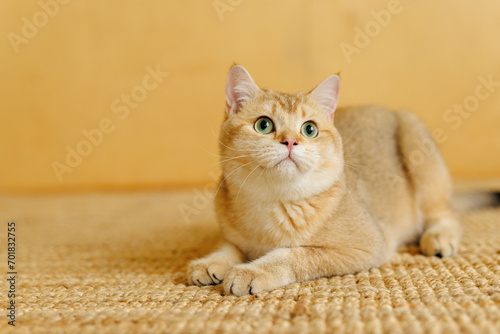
<point x="240" y="88"/>
<point x="326" y="94"/>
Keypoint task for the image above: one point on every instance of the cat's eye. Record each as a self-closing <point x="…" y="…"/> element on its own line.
<point x="264" y="125"/>
<point x="309" y="130"/>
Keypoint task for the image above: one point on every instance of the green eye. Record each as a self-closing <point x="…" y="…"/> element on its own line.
<point x="309" y="130"/>
<point x="264" y="125"/>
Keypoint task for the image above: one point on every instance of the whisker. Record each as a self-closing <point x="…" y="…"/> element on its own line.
<point x="351" y="163"/>
<point x="356" y="129"/>
<point x="352" y="199"/>
<point x="353" y="155"/>
<point x="253" y="170"/>
<point x="240" y="156"/>
<point x="231" y="148"/>
<point x="243" y="141"/>
<point x="263" y="170"/>
<point x="222" y="142"/>
<point x="220" y="184"/>
<point x="216" y="155"/>
<point x="352" y="167"/>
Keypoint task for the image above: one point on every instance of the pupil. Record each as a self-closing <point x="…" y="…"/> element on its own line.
<point x="309" y="129"/>
<point x="264" y="125"/>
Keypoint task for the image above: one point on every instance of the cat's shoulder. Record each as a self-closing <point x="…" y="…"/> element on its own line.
<point x="368" y="112"/>
<point x="369" y="118"/>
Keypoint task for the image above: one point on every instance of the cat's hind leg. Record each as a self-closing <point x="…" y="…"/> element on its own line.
<point x="432" y="186"/>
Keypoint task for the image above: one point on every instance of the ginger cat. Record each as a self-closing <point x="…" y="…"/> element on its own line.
<point x="310" y="191"/>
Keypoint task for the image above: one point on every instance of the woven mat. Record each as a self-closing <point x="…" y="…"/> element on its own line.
<point x="116" y="264"/>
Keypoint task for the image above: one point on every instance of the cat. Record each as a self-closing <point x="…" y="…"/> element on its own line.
<point x="309" y="191"/>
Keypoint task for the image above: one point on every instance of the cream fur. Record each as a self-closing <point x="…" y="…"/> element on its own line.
<point x="344" y="201"/>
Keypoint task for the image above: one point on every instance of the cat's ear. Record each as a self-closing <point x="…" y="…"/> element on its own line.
<point x="240" y="88"/>
<point x="326" y="94"/>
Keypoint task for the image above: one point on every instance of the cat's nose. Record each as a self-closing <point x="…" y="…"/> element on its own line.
<point x="290" y="143"/>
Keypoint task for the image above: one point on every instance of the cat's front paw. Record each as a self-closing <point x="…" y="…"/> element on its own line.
<point x="247" y="279"/>
<point x="441" y="240"/>
<point x="205" y="272"/>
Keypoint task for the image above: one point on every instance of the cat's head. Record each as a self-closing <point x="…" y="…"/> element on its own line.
<point x="284" y="142"/>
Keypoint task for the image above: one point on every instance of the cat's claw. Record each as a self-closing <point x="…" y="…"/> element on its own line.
<point x="246" y="279"/>
<point x="215" y="278"/>
<point x="202" y="272"/>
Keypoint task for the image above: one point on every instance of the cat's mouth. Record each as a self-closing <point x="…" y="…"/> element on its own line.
<point x="287" y="161"/>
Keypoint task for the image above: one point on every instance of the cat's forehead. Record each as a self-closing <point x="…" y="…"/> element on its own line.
<point x="287" y="102"/>
<point x="278" y="103"/>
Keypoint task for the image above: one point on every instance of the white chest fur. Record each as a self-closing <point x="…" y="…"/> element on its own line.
<point x="263" y="226"/>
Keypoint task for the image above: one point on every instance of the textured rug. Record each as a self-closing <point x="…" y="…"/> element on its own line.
<point x="116" y="263"/>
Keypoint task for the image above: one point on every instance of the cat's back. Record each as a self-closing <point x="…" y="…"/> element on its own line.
<point x="375" y="171"/>
<point x="357" y="124"/>
<point x="369" y="136"/>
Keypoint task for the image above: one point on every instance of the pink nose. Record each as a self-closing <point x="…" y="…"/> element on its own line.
<point x="290" y="143"/>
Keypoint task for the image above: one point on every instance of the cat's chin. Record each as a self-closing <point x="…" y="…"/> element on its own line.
<point x="288" y="162"/>
<point x="286" y="169"/>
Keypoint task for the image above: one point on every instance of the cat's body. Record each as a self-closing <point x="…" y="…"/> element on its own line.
<point x="337" y="203"/>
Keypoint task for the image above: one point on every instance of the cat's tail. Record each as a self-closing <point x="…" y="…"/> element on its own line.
<point x="473" y="200"/>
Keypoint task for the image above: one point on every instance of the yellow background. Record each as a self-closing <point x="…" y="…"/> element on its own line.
<point x="65" y="77"/>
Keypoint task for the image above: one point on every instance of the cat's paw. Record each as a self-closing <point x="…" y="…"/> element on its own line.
<point x="205" y="272"/>
<point x="441" y="240"/>
<point x="247" y="279"/>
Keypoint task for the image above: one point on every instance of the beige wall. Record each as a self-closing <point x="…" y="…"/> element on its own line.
<point x="70" y="74"/>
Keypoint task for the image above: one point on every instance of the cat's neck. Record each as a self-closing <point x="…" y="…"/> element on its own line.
<point x="277" y="222"/>
<point x="268" y="189"/>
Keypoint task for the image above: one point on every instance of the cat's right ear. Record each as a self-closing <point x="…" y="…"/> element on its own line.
<point x="240" y="88"/>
